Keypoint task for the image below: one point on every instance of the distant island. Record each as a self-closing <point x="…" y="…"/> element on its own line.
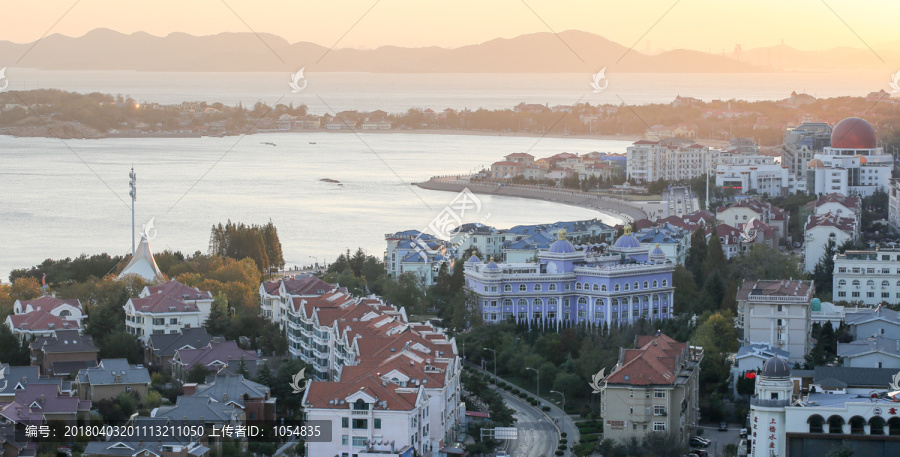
<point x="570" y="51"/>
<point x="56" y="113"/>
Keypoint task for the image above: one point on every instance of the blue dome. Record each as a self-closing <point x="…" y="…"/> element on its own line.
<point x="562" y="247"/>
<point x="473" y="259"/>
<point x="627" y="241"/>
<point x="657" y="251"/>
<point x="491" y="266"/>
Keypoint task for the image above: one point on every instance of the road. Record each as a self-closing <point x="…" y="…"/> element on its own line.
<point x="537" y="436"/>
<point x="720" y="439"/>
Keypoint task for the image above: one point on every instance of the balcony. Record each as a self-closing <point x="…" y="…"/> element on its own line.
<point x="754" y="401"/>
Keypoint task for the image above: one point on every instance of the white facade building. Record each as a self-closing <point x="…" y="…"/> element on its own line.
<point x="867" y="277"/>
<point x="650" y="161"/>
<point x="777" y="313"/>
<point x="820" y="230"/>
<point x="852" y="165"/>
<point x="767" y="179"/>
<point x="166" y="308"/>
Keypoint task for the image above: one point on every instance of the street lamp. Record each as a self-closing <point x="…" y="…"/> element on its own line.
<point x="537" y="381"/>
<point x="495" y="359"/>
<point x="563" y="398"/>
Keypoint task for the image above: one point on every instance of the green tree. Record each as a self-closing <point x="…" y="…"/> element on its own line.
<point x="823" y="272"/>
<point x="715" y="257"/>
<point x="696" y="255"/>
<point x="197" y="374"/>
<point x="13" y="350"/>
<point x="122" y="345"/>
<point x="764" y="262"/>
<point x="687" y="295"/>
<point x="662" y="444"/>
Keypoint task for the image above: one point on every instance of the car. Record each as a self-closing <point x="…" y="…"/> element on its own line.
<point x="697" y="441"/>
<point x="700" y="453"/>
<point x="723" y="426"/>
<point x="743" y="433"/>
<point x="502" y="454"/>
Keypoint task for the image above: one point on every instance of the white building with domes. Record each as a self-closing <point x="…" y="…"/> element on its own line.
<point x="567" y="286"/>
<point x="787" y="421"/>
<point x="852" y="165"/>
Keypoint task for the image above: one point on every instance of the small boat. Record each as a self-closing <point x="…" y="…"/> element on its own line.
<point x="312" y="142"/>
<point x="268" y="143"/>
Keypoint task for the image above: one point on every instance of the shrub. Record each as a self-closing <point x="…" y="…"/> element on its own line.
<point x="545" y="408"/>
<point x="563" y="434"/>
<point x="562" y="447"/>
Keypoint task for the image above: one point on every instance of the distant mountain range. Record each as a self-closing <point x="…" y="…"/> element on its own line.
<point x="570" y="52"/>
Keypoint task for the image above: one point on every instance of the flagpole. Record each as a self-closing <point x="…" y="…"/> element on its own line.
<point x="133" y="194"/>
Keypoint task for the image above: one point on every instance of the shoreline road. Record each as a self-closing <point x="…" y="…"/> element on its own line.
<point x="537" y="435"/>
<point x="613" y="206"/>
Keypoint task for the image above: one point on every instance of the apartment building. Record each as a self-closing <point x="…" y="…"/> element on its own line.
<point x="777" y="313"/>
<point x="867" y="277"/>
<point x="653" y="388"/>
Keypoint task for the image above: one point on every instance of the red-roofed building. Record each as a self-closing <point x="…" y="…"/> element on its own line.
<point x="277" y="296"/>
<point x="166" y="308"/>
<point x="744" y="211"/>
<point x="404" y="393"/>
<point x="820" y="229"/>
<point x="506" y="169"/>
<point x="43" y="316"/>
<point x="653" y="388"/>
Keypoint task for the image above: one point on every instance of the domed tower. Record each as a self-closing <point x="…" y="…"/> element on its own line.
<point x="774" y="390"/>
<point x="657" y="255"/>
<point x="629" y="246"/>
<point x="561" y="256"/>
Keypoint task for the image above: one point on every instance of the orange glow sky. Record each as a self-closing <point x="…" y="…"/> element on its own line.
<point x="704" y="25"/>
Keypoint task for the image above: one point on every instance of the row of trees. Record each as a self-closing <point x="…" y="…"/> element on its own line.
<point x="240" y="241"/>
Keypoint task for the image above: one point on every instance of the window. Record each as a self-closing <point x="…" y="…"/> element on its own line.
<point x="659" y="410"/>
<point x="577" y="286"/>
<point x="855" y="282"/>
<point x="616" y="288"/>
<point x="665" y="283"/>
<point x="659" y="394"/>
<point x="537" y="287"/>
<point x="646" y="285"/>
<point x="552" y="288"/>
<point x="627" y="286"/>
<point x="538" y="302"/>
<point x="552" y="302"/>
<point x="507" y="302"/>
<point x="377" y="424"/>
<point x="345" y="422"/>
<point x="885" y="284"/>
<point x="659" y="426"/>
<point x="582" y="301"/>
<point x="780" y="310"/>
<point x="523" y="288"/>
<point x="345" y="440"/>
<point x="842" y="283"/>
<point x="596" y="287"/>
<point x="507" y="288"/>
<point x="636" y="286"/>
<point x="844" y="294"/>
<point x="603" y="287"/>
<point x="359" y="441"/>
<point x="630" y="393"/>
<point x="360" y="424"/>
<point x="159" y="321"/>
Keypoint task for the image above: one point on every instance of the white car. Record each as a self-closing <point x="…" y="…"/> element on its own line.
<point x="502" y="454"/>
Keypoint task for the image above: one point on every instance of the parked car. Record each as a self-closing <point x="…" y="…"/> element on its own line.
<point x="700" y="453"/>
<point x="743" y="433"/>
<point x="723" y="426"/>
<point x="697" y="441"/>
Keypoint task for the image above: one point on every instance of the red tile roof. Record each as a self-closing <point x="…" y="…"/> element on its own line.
<point x="222" y="351"/>
<point x="655" y="361"/>
<point x="41" y="321"/>
<point x="844" y="224"/>
<point x="161" y="303"/>
<point x="47" y="303"/>
<point x="309" y="285"/>
<point x="178" y="291"/>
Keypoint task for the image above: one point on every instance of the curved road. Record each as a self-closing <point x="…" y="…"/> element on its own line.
<point x="537" y="435"/>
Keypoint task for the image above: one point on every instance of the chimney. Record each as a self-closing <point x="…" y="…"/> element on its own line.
<point x="190" y="388"/>
<point x="43" y="398"/>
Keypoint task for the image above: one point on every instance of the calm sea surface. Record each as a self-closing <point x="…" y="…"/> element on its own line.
<point x="330" y="92"/>
<point x="54" y="199"/>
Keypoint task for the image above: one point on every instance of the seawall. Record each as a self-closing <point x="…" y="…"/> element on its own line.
<point x="609" y="205"/>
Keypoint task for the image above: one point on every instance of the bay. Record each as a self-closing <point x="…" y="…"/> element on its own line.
<point x="63" y="198"/>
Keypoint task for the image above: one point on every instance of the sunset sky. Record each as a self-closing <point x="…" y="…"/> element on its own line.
<point x="704" y="25"/>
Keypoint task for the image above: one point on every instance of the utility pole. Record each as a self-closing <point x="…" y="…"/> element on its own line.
<point x="133" y="194"/>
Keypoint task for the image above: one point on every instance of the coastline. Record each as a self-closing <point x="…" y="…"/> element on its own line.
<point x="608" y="205"/>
